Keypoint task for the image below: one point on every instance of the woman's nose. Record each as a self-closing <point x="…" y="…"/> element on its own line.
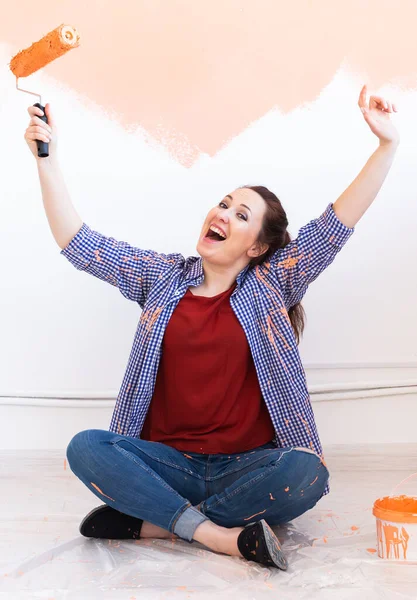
<point x="223" y="216"/>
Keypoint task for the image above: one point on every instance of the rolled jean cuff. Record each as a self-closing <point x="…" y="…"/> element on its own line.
<point x="188" y="522"/>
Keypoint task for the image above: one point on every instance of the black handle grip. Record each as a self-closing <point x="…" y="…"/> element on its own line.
<point x="43" y="147"/>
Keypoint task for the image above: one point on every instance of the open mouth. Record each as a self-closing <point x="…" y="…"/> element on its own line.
<point x="214" y="234"/>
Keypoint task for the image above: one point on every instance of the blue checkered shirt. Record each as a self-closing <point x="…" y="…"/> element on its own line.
<point x="262" y="297"/>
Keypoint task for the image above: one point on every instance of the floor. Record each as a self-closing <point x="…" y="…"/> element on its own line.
<point x="331" y="549"/>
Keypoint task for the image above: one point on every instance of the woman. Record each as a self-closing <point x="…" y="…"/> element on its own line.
<point x="212" y="437"/>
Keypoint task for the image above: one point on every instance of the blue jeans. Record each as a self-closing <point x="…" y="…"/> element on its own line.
<point x="180" y="490"/>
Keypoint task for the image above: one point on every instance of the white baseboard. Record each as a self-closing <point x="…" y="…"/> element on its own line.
<point x="349" y="417"/>
<point x="354" y="403"/>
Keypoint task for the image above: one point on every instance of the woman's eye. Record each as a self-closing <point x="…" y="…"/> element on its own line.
<point x="242" y="216"/>
<point x="222" y="204"/>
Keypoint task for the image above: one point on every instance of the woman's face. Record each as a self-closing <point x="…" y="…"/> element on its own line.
<point x="231" y="229"/>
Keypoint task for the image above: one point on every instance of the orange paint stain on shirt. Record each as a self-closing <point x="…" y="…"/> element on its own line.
<point x="275" y="329"/>
<point x="305" y="424"/>
<point x="149" y="317"/>
<point x="290" y="262"/>
<point x="284" y="312"/>
<point x="262" y="279"/>
<point x="112" y="280"/>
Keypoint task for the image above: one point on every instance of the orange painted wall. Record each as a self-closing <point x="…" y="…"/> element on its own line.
<point x="195" y="73"/>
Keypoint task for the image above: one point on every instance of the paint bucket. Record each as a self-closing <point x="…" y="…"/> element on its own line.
<point x="396" y="526"/>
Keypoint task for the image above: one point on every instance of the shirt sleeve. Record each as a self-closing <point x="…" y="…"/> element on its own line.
<point x="130" y="269"/>
<point x="303" y="259"/>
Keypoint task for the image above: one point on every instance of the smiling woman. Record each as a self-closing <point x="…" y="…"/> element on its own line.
<point x="229" y="236"/>
<point x="213" y="436"/>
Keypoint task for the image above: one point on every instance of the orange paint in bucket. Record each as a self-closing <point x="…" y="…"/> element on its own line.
<point x="396" y="526"/>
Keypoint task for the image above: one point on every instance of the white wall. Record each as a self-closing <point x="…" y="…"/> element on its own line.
<point x="64" y="333"/>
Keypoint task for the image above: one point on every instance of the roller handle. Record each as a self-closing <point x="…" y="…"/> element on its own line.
<point x="43" y="147"/>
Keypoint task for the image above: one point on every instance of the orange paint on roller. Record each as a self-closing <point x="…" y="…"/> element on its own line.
<point x="53" y="45"/>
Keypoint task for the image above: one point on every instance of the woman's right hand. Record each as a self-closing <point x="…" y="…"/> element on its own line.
<point x="38" y="130"/>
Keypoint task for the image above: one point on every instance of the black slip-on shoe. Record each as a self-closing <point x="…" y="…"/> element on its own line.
<point x="257" y="542"/>
<point x="106" y="522"/>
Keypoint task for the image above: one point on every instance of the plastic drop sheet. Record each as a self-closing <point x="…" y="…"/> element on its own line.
<point x="330" y="549"/>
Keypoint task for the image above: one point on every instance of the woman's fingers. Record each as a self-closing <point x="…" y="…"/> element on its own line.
<point x="38" y="121"/>
<point x="38" y="130"/>
<point x="376" y="102"/>
<point x="36" y="137"/>
<point x="362" y="98"/>
<point x="34" y="110"/>
<point x="49" y="115"/>
<point x="382" y="104"/>
<point x="34" y="132"/>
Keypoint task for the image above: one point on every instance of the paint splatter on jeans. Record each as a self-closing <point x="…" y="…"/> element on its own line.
<point x="163" y="486"/>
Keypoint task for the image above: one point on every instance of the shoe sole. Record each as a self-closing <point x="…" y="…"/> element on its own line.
<point x="274" y="547"/>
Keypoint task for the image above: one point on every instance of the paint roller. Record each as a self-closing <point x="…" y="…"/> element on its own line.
<point x="53" y="45"/>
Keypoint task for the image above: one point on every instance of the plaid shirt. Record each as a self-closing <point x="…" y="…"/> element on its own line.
<point x="262" y="297"/>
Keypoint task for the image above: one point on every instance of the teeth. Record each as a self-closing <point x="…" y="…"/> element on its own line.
<point x="217" y="230"/>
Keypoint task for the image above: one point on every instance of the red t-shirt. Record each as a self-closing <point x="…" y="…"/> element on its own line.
<point x="207" y="397"/>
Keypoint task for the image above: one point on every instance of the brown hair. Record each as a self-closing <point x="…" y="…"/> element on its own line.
<point x="274" y="233"/>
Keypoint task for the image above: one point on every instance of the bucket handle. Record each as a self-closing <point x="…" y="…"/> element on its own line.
<point x="403" y="481"/>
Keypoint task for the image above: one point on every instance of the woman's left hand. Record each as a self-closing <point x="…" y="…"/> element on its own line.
<point x="377" y="115"/>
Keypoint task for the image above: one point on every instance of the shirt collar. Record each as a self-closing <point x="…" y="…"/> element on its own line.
<point x="195" y="273"/>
